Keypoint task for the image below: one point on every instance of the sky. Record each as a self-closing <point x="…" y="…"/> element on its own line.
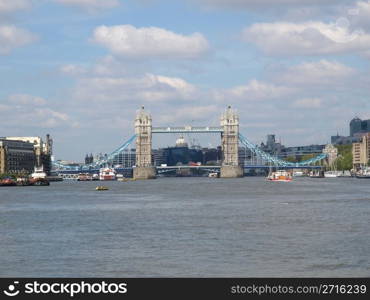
<point x="80" y="69"/>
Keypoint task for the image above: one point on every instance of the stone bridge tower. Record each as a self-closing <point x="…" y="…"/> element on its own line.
<point x="143" y="129"/>
<point x="230" y="145"/>
<point x="332" y="154"/>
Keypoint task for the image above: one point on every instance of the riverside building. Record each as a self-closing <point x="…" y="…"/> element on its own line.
<point x="42" y="149"/>
<point x="361" y="152"/>
<point x="16" y="156"/>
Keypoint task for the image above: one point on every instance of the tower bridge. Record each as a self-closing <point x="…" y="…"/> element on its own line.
<point x="231" y="138"/>
<point x="229" y="130"/>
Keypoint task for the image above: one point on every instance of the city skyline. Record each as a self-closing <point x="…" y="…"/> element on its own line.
<point x="80" y="69"/>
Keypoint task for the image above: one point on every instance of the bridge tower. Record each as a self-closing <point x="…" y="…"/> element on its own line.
<point x="332" y="154"/>
<point x="230" y="145"/>
<point x="143" y="130"/>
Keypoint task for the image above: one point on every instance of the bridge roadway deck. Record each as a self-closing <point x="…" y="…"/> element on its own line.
<point x="187" y="129"/>
<point x="204" y="167"/>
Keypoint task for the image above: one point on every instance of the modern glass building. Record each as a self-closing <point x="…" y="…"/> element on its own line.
<point x="357" y="126"/>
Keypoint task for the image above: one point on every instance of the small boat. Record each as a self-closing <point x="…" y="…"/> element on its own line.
<point x="280" y="175"/>
<point x="331" y="174"/>
<point x="101" y="188"/>
<point x="23" y="181"/>
<point x="298" y="174"/>
<point x="7" y="182"/>
<point x="363" y="174"/>
<point x="39" y="181"/>
<point x="317" y="174"/>
<point x="345" y="174"/>
<point x="213" y="175"/>
<point x="39" y="173"/>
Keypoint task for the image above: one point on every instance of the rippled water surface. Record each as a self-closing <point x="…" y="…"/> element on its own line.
<point x="187" y="227"/>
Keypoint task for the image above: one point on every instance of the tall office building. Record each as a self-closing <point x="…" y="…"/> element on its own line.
<point x="358" y="126"/>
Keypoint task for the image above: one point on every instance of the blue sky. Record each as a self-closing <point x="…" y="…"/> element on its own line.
<point x="79" y="69"/>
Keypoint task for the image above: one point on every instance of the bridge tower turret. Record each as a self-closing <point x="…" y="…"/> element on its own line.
<point x="230" y="145"/>
<point x="332" y="154"/>
<point x="143" y="129"/>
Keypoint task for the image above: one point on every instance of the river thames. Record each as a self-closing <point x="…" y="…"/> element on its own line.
<point x="187" y="227"/>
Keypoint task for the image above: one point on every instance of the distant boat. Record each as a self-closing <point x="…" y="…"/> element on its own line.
<point x="363" y="174"/>
<point x="7" y="182"/>
<point x="39" y="181"/>
<point x="280" y="175"/>
<point x="345" y="174"/>
<point x="331" y="174"/>
<point x="101" y="188"/>
<point x="298" y="174"/>
<point x="39" y="173"/>
<point x="317" y="174"/>
<point x="213" y="175"/>
<point x="107" y="174"/>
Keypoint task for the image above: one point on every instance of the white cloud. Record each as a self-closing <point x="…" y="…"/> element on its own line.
<point x="148" y="88"/>
<point x="309" y="38"/>
<point x="252" y="91"/>
<point x="90" y="5"/>
<point x="247" y="4"/>
<point x="127" y="40"/>
<point x="4" y="107"/>
<point x="33" y="111"/>
<point x="9" y="6"/>
<point x="360" y="14"/>
<point x="49" y="118"/>
<point x="24" y="99"/>
<point x="182" y="115"/>
<point x="73" y="70"/>
<point x="308" y="103"/>
<point x="321" y="72"/>
<point x="12" y="37"/>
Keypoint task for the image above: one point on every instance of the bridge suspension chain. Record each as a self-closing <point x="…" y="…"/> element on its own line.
<point x="100" y="162"/>
<point x="277" y="161"/>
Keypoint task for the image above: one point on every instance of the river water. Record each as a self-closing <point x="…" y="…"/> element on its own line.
<point x="172" y="227"/>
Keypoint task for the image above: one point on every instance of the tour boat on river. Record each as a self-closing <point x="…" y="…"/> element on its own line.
<point x="280" y="175"/>
<point x="363" y="174"/>
<point x="107" y="174"/>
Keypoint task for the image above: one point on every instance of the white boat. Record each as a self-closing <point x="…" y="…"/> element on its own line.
<point x="107" y="174"/>
<point x="298" y="174"/>
<point x="280" y="175"/>
<point x="344" y="174"/>
<point x="39" y="173"/>
<point x="335" y="174"/>
<point x="331" y="174"/>
<point x="363" y="174"/>
<point x="213" y="175"/>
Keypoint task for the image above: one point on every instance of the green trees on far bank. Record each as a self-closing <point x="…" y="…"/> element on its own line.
<point x="345" y="158"/>
<point x="344" y="161"/>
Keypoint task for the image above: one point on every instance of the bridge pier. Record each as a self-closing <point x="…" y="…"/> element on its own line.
<point x="144" y="173"/>
<point x="230" y="145"/>
<point x="143" y="128"/>
<point x="231" y="172"/>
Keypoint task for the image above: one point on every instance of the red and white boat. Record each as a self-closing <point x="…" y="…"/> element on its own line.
<point x="107" y="174"/>
<point x="280" y="175"/>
